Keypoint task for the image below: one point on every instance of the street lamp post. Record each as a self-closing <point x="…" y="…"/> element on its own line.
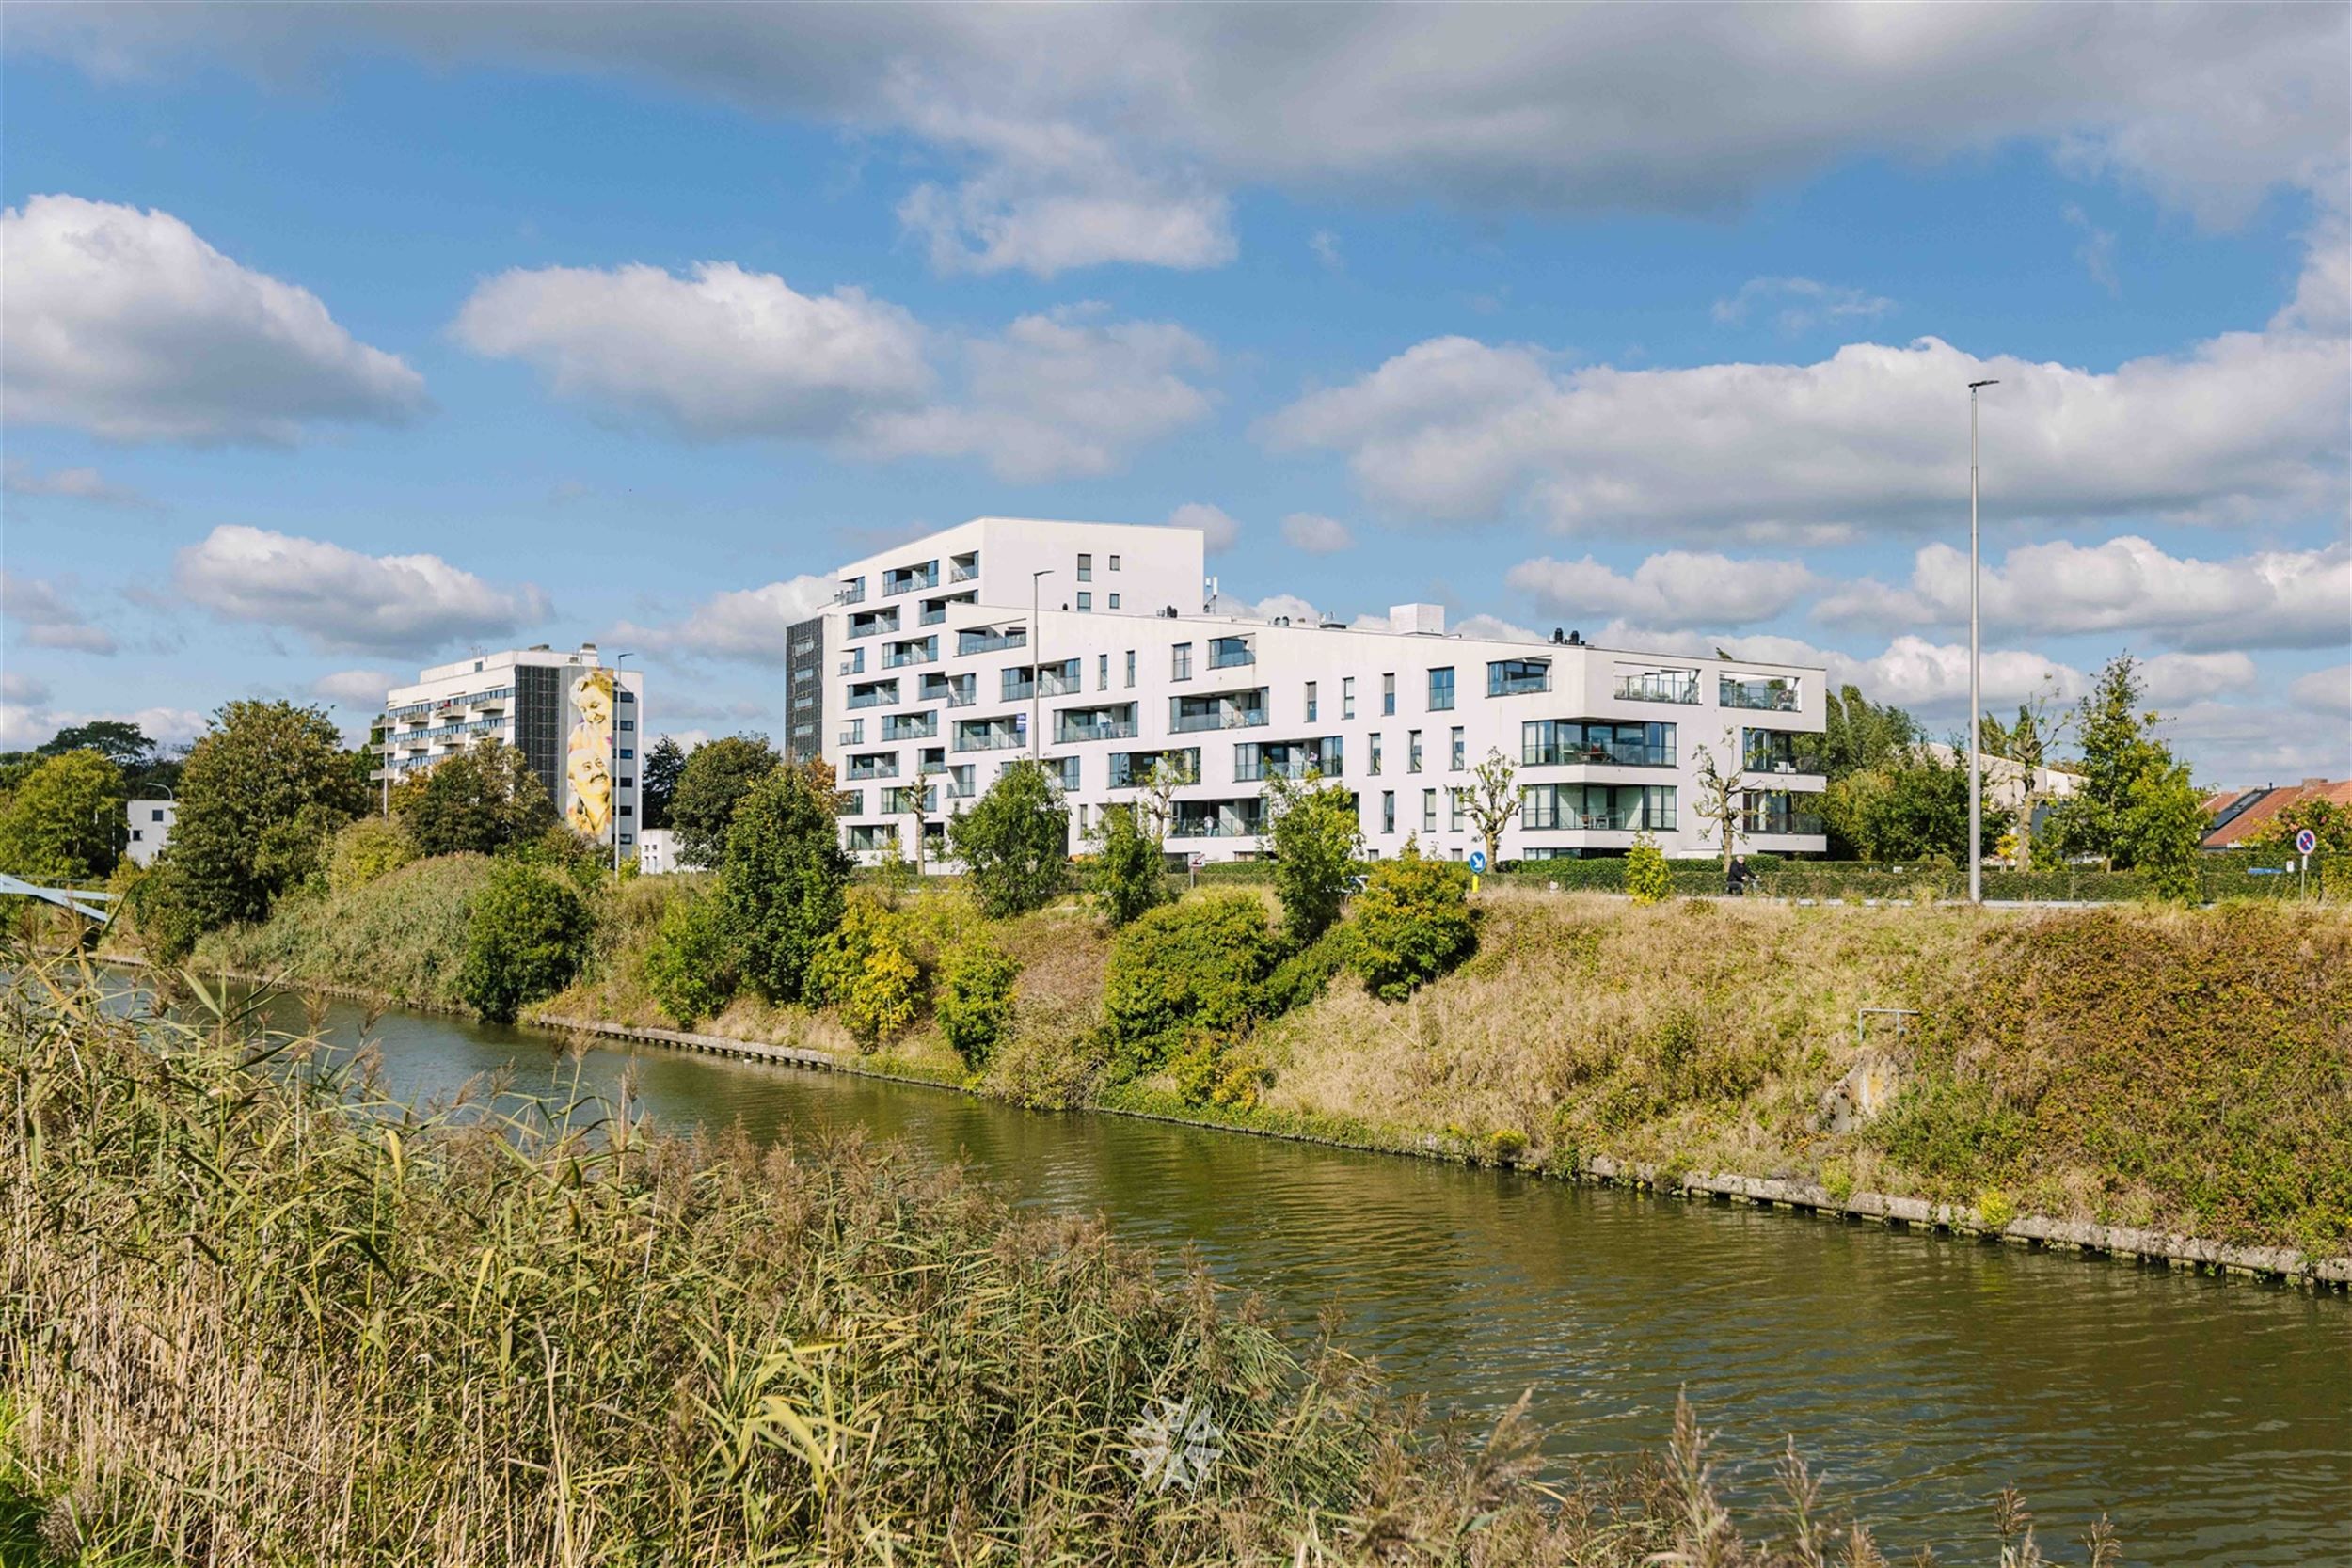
<point x="1037" y="645"/>
<point x="615" y="776"/>
<point x="1975" y="695"/>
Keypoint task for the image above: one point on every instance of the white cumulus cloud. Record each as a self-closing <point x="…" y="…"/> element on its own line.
<point x="40" y="616"/>
<point x="1316" y="534"/>
<point x="1679" y="589"/>
<point x="339" y="598"/>
<point x="126" y="325"/>
<point x="2328" y="691"/>
<point x="1217" y="526"/>
<point x="357" y="689"/>
<point x="747" y="624"/>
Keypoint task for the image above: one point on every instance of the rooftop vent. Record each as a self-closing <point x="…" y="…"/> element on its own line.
<point x="1425" y="619"/>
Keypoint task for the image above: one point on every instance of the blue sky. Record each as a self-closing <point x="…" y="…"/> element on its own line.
<point x="343" y="340"/>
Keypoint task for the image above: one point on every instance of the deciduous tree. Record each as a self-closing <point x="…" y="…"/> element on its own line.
<point x="1494" y="799"/>
<point x="1130" y="873"/>
<point x="716" y="776"/>
<point x="1014" y="842"/>
<point x="785" y="877"/>
<point x="1313" y="831"/>
<point x="60" y="821"/>
<point x="482" y="800"/>
<point x="657" y="782"/>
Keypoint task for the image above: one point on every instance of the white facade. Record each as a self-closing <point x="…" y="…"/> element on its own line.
<point x="548" y="704"/>
<point x="150" y="823"/>
<point x="929" y="651"/>
<point x="658" y="853"/>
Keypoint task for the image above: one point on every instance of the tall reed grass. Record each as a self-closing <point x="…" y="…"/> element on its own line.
<point x="257" y="1313"/>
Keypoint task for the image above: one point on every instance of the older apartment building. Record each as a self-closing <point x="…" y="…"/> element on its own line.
<point x="1087" y="646"/>
<point x="579" y="722"/>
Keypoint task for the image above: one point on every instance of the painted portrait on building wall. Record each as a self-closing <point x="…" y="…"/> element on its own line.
<point x="588" y="756"/>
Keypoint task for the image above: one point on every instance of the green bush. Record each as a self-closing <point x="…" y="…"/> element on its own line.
<point x="402" y="936"/>
<point x="365" y="850"/>
<point x="524" y="940"/>
<point x="785" y="877"/>
<point x="1316" y="844"/>
<point x="1646" y="875"/>
<point x="1302" y="975"/>
<point x="865" y="969"/>
<point x="1412" y="924"/>
<point x="1014" y="842"/>
<point x="1184" y="969"/>
<point x="1129" y="873"/>
<point x="1955" y="1131"/>
<point x="689" y="967"/>
<point x="975" y="1004"/>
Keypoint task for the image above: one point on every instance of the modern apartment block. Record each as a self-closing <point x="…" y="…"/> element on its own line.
<point x="936" y="665"/>
<point x="579" y="722"/>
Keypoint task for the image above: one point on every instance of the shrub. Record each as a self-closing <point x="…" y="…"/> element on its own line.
<point x="1316" y="844"/>
<point x="1646" y="875"/>
<point x="524" y="940"/>
<point x="1220" y="1069"/>
<point x="365" y="850"/>
<point x="975" y="1004"/>
<point x="480" y="800"/>
<point x="1953" y="1132"/>
<point x="1182" y="970"/>
<point x="1129" y="873"/>
<point x="1505" y="1145"/>
<point x="690" y="967"/>
<point x="1014" y="842"/>
<point x="1302" y="975"/>
<point x="865" y="969"/>
<point x="1412" y="924"/>
<point x="785" y="879"/>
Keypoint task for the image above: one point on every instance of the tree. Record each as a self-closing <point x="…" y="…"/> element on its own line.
<point x="1912" y="807"/>
<point x="1646" y="877"/>
<point x="2164" y="827"/>
<point x="1494" y="799"/>
<point x="657" y="782"/>
<point x="121" y="742"/>
<point x="919" y="807"/>
<point x="524" y="940"/>
<point x="1313" y="832"/>
<point x="2323" y="817"/>
<point x="690" y="967"/>
<point x="2128" y="811"/>
<point x="1014" y="842"/>
<point x="1412" y="924"/>
<point x="1158" y="802"/>
<point x="716" y="776"/>
<point x="975" y="1000"/>
<point x="59" y="823"/>
<point x="1719" y="800"/>
<point x="262" y="793"/>
<point x="1858" y="734"/>
<point x="785" y="877"/>
<point x="366" y="850"/>
<point x="2030" y="743"/>
<point x="1129" y="874"/>
<point x="482" y="800"/>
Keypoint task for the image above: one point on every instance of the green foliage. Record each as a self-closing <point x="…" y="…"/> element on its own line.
<point x="367" y="849"/>
<point x="1316" y="843"/>
<point x="2332" y="822"/>
<point x="120" y="741"/>
<point x="976" y="1000"/>
<point x="2164" y="824"/>
<point x="482" y="800"/>
<point x="785" y="879"/>
<point x="1129" y="873"/>
<point x="1494" y="803"/>
<point x="716" y="778"/>
<point x="1412" y="924"/>
<point x="59" y="823"/>
<point x="1912" y="806"/>
<point x="1646" y="875"/>
<point x="525" y="938"/>
<point x="563" y="848"/>
<point x="1304" y="973"/>
<point x="2136" y="808"/>
<point x="402" y="936"/>
<point x="1184" y="970"/>
<point x="261" y="798"/>
<point x="1953" y="1127"/>
<point x="1858" y="734"/>
<point x="1014" y="842"/>
<point x="1217" y="1067"/>
<point x="865" y="969"/>
<point x="657" y="780"/>
<point x="689" y="966"/>
<point x="1505" y="1145"/>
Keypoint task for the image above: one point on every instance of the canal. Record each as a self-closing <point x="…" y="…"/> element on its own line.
<point x="2211" y="1418"/>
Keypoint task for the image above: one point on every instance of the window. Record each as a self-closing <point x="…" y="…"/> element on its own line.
<point x="1086" y="570"/>
<point x="627" y="725"/>
<point x="1103" y="673"/>
<point x="1114" y="601"/>
<point x="1063" y="771"/>
<point x="1387" y="696"/>
<point x="1131" y="667"/>
<point x="1347" y="697"/>
<point x="1413" y="752"/>
<point x="628" y="838"/>
<point x="1310" y="702"/>
<point x="629" y="811"/>
<point x="627" y="752"/>
<point x="1388" y="811"/>
<point x="1658" y="685"/>
<point x="1114" y="563"/>
<point x="1510" y="677"/>
<point x="137" y="835"/>
<point x="1607" y="808"/>
<point x="1460" y="752"/>
<point x="1374" y="766"/>
<point x="1428" y="811"/>
<point x="628" y="783"/>
<point x="1179" y="662"/>
<point x="1442" y="689"/>
<point x="1556" y="742"/>
<point x="1086" y="602"/>
<point x="155" y="816"/>
<point x="1458" y="799"/>
<point x="626" y="696"/>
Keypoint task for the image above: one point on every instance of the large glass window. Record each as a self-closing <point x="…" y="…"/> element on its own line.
<point x="1775" y="751"/>
<point x="1254" y="761"/>
<point x="1428" y="811"/>
<point x="1772" y="694"/>
<point x="1312" y="703"/>
<point x="1131" y="769"/>
<point x="1086" y="568"/>
<point x="1179" y="662"/>
<point x="1373" y="764"/>
<point x="1347" y="697"/>
<point x="1658" y="685"/>
<point x="1388" y="811"/>
<point x="1226" y="652"/>
<point x="1460" y="752"/>
<point x="1510" y="677"/>
<point x="1442" y="689"/>
<point x="1556" y="742"/>
<point x="1387" y="696"/>
<point x="1598" y="808"/>
<point x="1776" y="811"/>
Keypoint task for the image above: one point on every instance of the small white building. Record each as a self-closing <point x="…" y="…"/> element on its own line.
<point x="150" y="824"/>
<point x="931" y="663"/>
<point x="579" y="721"/>
<point x="658" y="853"/>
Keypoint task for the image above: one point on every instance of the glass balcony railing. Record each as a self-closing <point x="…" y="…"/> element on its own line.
<point x="1221" y="719"/>
<point x="1769" y="696"/>
<point x="960" y="572"/>
<point x="1658" y="685"/>
<point x="874" y="698"/>
<point x="909" y="727"/>
<point x="990" y="642"/>
<point x="990" y="740"/>
<point x="1227" y="651"/>
<point x="898" y="659"/>
<point x="1067" y="733"/>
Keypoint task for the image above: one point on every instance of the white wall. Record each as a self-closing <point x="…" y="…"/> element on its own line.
<point x="150" y="829"/>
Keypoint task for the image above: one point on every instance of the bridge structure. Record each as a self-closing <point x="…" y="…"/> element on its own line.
<point x="87" y="902"/>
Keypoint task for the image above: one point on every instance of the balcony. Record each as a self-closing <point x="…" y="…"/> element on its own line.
<point x="1774" y="752"/>
<point x="956" y="692"/>
<point x="963" y="568"/>
<point x="878" y="625"/>
<point x="1132" y="769"/>
<point x="1225" y="653"/>
<point x="909" y="727"/>
<point x="1769" y="696"/>
<point x="910" y="578"/>
<point x="990" y="737"/>
<point x="1101" y="724"/>
<point x="1294" y="759"/>
<point x="872" y="767"/>
<point x="850" y="593"/>
<point x="1778" y="816"/>
<point x="1513" y="677"/>
<point x="854" y="664"/>
<point x="1568" y="743"/>
<point x="984" y="641"/>
<point x="1238" y="711"/>
<point x="933" y="614"/>
<point x="877" y="695"/>
<point x="1660" y="685"/>
<point x="898" y="656"/>
<point x="899" y="801"/>
<point x="1218" y="819"/>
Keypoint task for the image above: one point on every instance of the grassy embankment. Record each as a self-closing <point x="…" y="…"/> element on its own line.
<point x="250" y="1313"/>
<point x="2183" y="1071"/>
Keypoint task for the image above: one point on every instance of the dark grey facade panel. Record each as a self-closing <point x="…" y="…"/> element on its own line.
<point x="804" y="691"/>
<point x="539" y="722"/>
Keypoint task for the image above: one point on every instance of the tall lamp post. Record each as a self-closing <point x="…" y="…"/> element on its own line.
<point x="615" y="775"/>
<point x="1976" y="696"/>
<point x="1037" y="645"/>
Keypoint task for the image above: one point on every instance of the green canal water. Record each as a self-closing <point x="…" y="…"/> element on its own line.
<point x="2211" y="1418"/>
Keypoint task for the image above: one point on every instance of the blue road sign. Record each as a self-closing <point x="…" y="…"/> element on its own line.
<point x="2306" y="841"/>
<point x="1478" y="862"/>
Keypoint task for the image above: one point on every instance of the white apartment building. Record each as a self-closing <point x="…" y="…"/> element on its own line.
<point x="150" y="828"/>
<point x="931" y="661"/>
<point x="577" y="720"/>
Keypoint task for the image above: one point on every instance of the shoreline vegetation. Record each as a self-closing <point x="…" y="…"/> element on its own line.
<point x="258" y="1313"/>
<point x="2142" y="1078"/>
